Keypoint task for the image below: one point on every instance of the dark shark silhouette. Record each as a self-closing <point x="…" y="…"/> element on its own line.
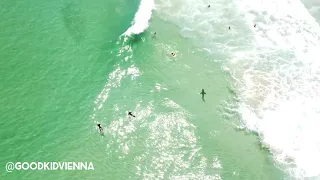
<point x="203" y="93"/>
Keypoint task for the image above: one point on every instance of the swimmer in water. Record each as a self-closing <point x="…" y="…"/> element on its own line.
<point x="229" y="28"/>
<point x="154" y="33"/>
<point x="254" y="25"/>
<point x="130" y="114"/>
<point x="173" y="54"/>
<point x="209" y="6"/>
<point x="100" y="128"/>
<point x="203" y="93"/>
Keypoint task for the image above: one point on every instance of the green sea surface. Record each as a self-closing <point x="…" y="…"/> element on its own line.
<point x="57" y="57"/>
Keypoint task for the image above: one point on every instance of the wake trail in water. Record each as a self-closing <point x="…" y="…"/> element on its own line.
<point x="142" y="17"/>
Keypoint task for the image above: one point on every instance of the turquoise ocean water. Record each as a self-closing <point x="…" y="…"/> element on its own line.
<point x="68" y="65"/>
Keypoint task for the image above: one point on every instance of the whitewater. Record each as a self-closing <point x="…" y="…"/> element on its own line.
<point x="275" y="73"/>
<point x="142" y="18"/>
<point x="274" y="68"/>
<point x="280" y="89"/>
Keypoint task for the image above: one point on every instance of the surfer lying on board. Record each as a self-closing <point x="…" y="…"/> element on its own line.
<point x="203" y="93"/>
<point x="100" y="128"/>
<point x="130" y="114"/>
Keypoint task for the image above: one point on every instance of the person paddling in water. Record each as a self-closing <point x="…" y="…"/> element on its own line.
<point x="203" y="93"/>
<point x="130" y="114"/>
<point x="100" y="128"/>
<point x="173" y="54"/>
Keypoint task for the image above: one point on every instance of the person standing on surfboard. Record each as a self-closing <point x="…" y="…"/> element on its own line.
<point x="203" y="93"/>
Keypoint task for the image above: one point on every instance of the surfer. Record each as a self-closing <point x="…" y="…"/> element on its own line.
<point x="154" y="33"/>
<point x="100" y="128"/>
<point x="209" y="6"/>
<point x="173" y="54"/>
<point x="254" y="25"/>
<point x="229" y="28"/>
<point x="130" y="114"/>
<point x="203" y="93"/>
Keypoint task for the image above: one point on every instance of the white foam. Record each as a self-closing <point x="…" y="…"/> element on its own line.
<point x="141" y="18"/>
<point x="115" y="77"/>
<point x="283" y="103"/>
<point x="274" y="66"/>
<point x="172" y="149"/>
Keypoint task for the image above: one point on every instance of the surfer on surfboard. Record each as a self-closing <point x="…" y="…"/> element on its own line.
<point x="203" y="93"/>
<point x="100" y="128"/>
<point x="130" y="114"/>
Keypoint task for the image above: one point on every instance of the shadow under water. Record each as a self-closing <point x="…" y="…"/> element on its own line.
<point x="74" y="21"/>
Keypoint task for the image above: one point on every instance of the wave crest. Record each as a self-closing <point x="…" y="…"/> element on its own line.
<point x="141" y="18"/>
